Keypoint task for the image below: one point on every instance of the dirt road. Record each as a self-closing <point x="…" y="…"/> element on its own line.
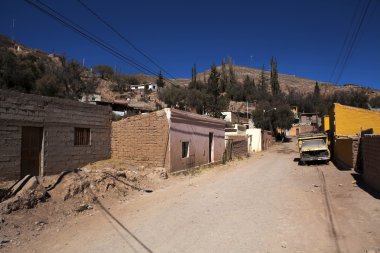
<point x="266" y="203"/>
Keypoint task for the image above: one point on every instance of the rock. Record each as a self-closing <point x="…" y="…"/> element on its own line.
<point x="41" y="223"/>
<point x="2" y="220"/>
<point x="162" y="173"/>
<point x="120" y="173"/>
<point x="284" y="244"/>
<point x="83" y="207"/>
<point x="315" y="185"/>
<point x="19" y="184"/>
<point x="28" y="187"/>
<point x="340" y="185"/>
<point x="2" y="241"/>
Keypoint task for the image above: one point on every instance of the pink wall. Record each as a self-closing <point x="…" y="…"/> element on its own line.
<point x="195" y="129"/>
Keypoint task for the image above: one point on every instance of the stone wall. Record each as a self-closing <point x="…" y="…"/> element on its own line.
<point x="141" y="140"/>
<point x="58" y="118"/>
<point x="370" y="145"/>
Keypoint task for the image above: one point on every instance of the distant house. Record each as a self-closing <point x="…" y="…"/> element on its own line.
<point x="346" y="126"/>
<point x="170" y="138"/>
<point x="44" y="135"/>
<point x="305" y="123"/>
<point x="150" y="87"/>
<point x="309" y="119"/>
<point x="239" y="112"/>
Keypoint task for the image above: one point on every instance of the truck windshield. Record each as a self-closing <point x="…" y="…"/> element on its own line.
<point x="316" y="142"/>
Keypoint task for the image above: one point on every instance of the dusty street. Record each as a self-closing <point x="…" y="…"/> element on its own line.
<point x="266" y="203"/>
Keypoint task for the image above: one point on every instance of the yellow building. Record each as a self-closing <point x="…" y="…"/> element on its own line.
<point x="326" y="123"/>
<point x="348" y="120"/>
<point x="346" y="124"/>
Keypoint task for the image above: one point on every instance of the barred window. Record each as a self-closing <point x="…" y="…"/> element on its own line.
<point x="82" y="136"/>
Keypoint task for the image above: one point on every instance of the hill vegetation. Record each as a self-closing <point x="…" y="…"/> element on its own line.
<point x="33" y="71"/>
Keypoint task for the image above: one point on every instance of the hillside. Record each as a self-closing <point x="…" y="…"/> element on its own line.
<point x="93" y="83"/>
<point x="288" y="82"/>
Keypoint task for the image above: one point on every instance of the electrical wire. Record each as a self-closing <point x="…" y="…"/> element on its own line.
<point x="353" y="44"/>
<point x="91" y="37"/>
<point x="123" y="37"/>
<point x="350" y="41"/>
<point x="344" y="45"/>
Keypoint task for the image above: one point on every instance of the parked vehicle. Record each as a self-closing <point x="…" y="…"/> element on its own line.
<point x="313" y="147"/>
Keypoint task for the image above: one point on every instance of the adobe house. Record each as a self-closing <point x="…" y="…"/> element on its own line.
<point x="169" y="138"/>
<point x="43" y="135"/>
<point x="346" y="125"/>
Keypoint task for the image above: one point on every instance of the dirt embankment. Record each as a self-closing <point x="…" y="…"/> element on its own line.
<point x="31" y="204"/>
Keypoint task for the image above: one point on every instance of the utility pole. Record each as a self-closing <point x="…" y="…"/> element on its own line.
<point x="247" y="109"/>
<point x="13" y="30"/>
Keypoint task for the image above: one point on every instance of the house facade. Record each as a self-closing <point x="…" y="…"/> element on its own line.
<point x="43" y="135"/>
<point x="169" y="138"/>
<point x="148" y="86"/>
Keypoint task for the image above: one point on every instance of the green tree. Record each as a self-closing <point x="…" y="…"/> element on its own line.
<point x="215" y="102"/>
<point x="375" y="101"/>
<point x="283" y="117"/>
<point x="119" y="83"/>
<point x="133" y="80"/>
<point x="104" y="71"/>
<point x="193" y="83"/>
<point x="274" y="77"/>
<point x="249" y="89"/>
<point x="317" y="91"/>
<point x="160" y="80"/>
<point x="263" y="87"/>
<point x="224" y="78"/>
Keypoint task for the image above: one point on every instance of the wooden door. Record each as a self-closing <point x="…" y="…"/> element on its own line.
<point x="211" y="147"/>
<point x="31" y="145"/>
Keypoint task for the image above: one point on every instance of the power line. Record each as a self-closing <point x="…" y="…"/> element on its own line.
<point x="355" y="37"/>
<point x="91" y="37"/>
<point x="355" y="14"/>
<point x="350" y="41"/>
<point x="123" y="37"/>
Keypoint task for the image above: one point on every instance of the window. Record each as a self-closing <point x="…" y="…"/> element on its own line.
<point x="81" y="136"/>
<point x="185" y="149"/>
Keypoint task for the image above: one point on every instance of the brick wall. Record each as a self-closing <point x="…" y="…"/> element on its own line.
<point x="142" y="139"/>
<point x="370" y="145"/>
<point x="58" y="118"/>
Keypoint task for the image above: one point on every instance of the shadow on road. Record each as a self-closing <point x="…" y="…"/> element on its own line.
<point x="360" y="183"/>
<point x="113" y="218"/>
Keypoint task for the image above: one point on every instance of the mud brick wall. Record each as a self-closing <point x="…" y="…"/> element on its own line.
<point x="58" y="118"/>
<point x="370" y="145"/>
<point x="267" y="139"/>
<point x="141" y="140"/>
<point x="237" y="146"/>
<point x="10" y="149"/>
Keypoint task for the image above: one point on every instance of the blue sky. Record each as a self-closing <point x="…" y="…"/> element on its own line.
<point x="305" y="36"/>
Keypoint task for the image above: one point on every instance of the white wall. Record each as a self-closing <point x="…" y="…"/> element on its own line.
<point x="254" y="139"/>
